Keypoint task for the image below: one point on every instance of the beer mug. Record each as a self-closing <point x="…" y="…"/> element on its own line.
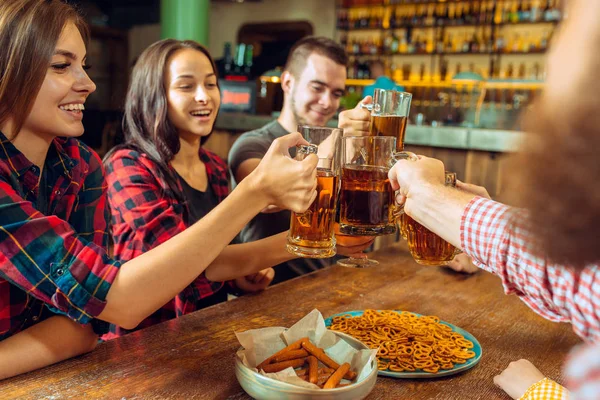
<point x="367" y="201"/>
<point x="389" y="114"/>
<point x="426" y="247"/>
<point x="311" y="233"/>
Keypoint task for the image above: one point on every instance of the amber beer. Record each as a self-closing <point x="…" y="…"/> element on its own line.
<point x="389" y="125"/>
<point x="366" y="201"/>
<point x="311" y="232"/>
<point x="426" y="247"/>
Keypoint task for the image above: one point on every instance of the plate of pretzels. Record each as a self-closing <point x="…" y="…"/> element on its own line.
<point x="410" y="345"/>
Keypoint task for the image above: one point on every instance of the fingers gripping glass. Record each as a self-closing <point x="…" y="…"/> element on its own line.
<point x="426" y="247"/>
<point x="366" y="200"/>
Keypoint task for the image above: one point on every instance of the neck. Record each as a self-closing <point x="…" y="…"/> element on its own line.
<point x="33" y="146"/>
<point x="287" y="119"/>
<point x="187" y="157"/>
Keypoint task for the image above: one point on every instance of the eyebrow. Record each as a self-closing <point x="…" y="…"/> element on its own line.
<point x="339" y="90"/>
<point x="192" y="76"/>
<point x="65" y="53"/>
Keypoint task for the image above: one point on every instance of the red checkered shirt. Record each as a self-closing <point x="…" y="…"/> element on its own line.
<point x="497" y="238"/>
<point x="53" y="261"/>
<point x="146" y="213"/>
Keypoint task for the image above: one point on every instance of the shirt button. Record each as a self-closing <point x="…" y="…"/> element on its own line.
<point x="34" y="318"/>
<point x="34" y="168"/>
<point x="57" y="192"/>
<point x="60" y="271"/>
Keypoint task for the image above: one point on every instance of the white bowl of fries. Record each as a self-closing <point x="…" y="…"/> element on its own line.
<point x="341" y="368"/>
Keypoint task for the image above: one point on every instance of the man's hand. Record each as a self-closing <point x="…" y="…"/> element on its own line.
<point x="517" y="378"/>
<point x="462" y="263"/>
<point x="255" y="282"/>
<point x="407" y="174"/>
<point x="286" y="183"/>
<point x="474" y="189"/>
<point x="355" y="122"/>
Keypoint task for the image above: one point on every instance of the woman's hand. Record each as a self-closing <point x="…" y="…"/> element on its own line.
<point x="355" y="122"/>
<point x="255" y="282"/>
<point x="347" y="245"/>
<point x="286" y="183"/>
<point x="518" y="377"/>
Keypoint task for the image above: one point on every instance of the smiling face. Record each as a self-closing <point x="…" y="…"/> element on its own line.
<point x="58" y="106"/>
<point x="192" y="93"/>
<point x="316" y="93"/>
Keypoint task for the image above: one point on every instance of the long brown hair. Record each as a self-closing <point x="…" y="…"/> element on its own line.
<point x="557" y="175"/>
<point x="146" y="125"/>
<point x="29" y="31"/>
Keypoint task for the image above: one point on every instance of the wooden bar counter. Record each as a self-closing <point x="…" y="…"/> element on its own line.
<point x="193" y="357"/>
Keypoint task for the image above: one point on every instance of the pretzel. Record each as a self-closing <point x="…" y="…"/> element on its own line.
<point x="280" y="366"/>
<point x="324" y="358"/>
<point x="337" y="376"/>
<point x="297" y="345"/>
<point x="291" y="355"/>
<point x="313" y="365"/>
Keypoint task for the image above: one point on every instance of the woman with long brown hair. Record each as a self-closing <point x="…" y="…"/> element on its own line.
<point x="546" y="252"/>
<point x="161" y="180"/>
<point x="56" y="279"/>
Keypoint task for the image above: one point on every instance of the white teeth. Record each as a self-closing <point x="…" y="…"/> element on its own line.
<point x="203" y="113"/>
<point x="72" y="107"/>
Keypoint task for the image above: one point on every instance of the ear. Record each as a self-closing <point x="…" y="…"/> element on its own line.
<point x="287" y="82"/>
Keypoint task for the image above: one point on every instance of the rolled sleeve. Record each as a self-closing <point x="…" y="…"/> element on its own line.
<point x="45" y="257"/>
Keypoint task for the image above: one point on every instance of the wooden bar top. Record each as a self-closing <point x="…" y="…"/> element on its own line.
<point x="193" y="357"/>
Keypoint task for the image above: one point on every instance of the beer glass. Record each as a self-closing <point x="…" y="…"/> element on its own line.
<point x="389" y="114"/>
<point x="311" y="233"/>
<point x="426" y="247"/>
<point x="366" y="196"/>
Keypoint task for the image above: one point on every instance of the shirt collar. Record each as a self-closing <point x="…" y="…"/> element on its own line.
<point x="57" y="158"/>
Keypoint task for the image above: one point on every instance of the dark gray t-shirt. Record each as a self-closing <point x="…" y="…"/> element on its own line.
<point x="254" y="144"/>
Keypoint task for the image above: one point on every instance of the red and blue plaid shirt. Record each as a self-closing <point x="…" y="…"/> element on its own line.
<point x="498" y="240"/>
<point x="146" y="213"/>
<point x="54" y="262"/>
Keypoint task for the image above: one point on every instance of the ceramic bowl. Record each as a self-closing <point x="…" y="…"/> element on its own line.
<point x="261" y="387"/>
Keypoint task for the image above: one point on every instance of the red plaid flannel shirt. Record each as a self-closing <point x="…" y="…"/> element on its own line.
<point x="145" y="213"/>
<point x="497" y="238"/>
<point x="54" y="263"/>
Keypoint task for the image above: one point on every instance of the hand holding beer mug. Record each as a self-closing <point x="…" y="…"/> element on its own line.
<point x="311" y="232"/>
<point x="366" y="195"/>
<point x="426" y="247"/>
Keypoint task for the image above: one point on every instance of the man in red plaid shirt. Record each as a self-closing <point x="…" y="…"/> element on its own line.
<point x="547" y="252"/>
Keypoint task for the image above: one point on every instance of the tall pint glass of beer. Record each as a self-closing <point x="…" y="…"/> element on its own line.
<point x="389" y="114"/>
<point x="426" y="247"/>
<point x="311" y="233"/>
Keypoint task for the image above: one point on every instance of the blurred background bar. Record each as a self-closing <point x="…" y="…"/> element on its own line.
<point x="473" y="66"/>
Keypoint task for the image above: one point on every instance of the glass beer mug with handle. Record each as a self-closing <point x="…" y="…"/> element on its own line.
<point x="389" y="114"/>
<point x="311" y="233"/>
<point x="426" y="247"/>
<point x="366" y="200"/>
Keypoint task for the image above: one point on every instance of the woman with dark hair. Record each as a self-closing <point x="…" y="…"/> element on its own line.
<point x="56" y="278"/>
<point x="162" y="180"/>
<point x="546" y="252"/>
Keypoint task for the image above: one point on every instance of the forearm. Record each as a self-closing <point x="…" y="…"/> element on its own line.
<point x="440" y="209"/>
<point x="247" y="258"/>
<point x="52" y="340"/>
<point x="149" y="281"/>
